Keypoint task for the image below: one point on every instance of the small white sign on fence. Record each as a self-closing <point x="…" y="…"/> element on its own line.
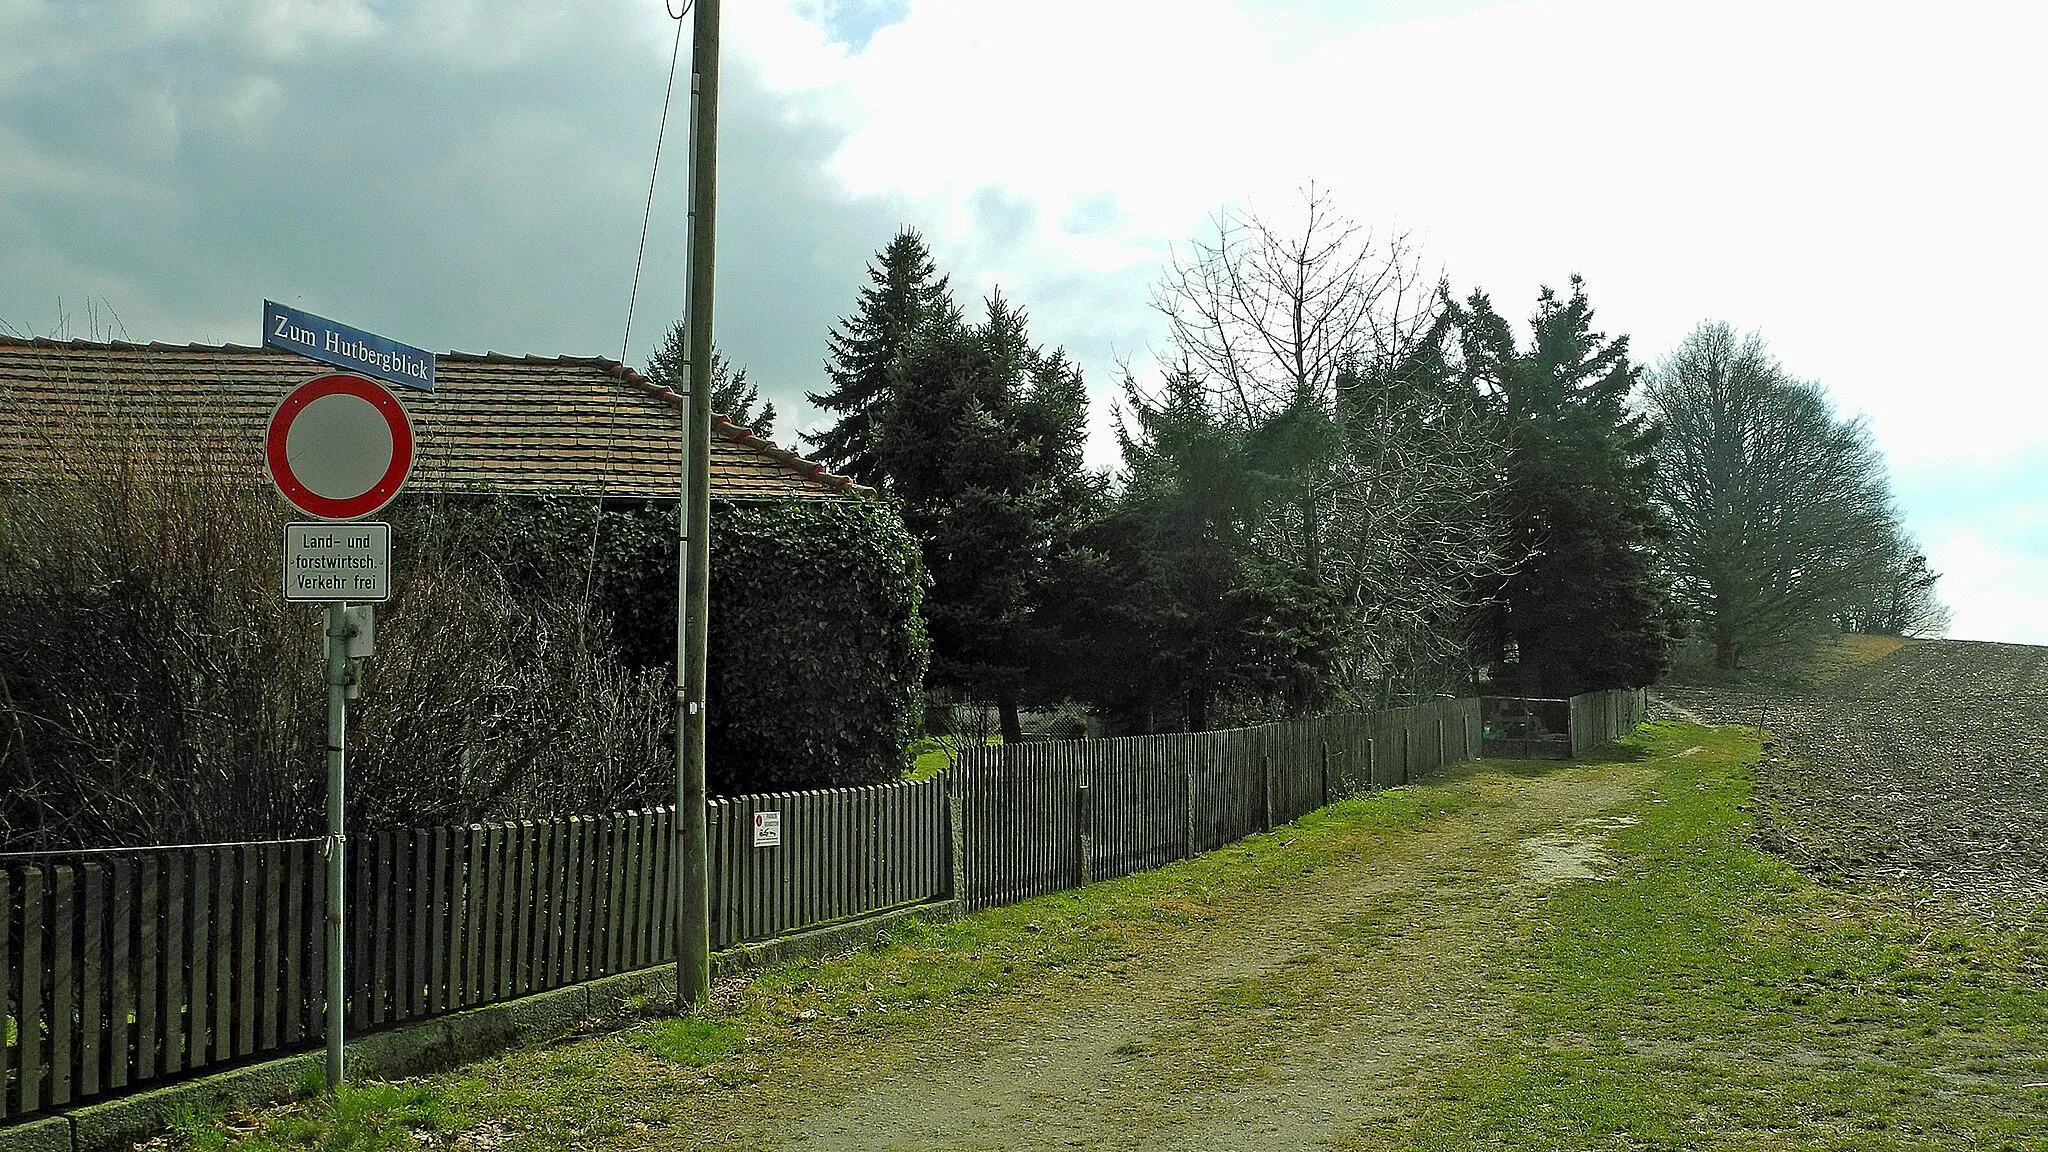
<point x="767" y="829"/>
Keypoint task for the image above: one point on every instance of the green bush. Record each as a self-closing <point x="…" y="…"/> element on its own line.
<point x="817" y="650"/>
<point x="154" y="688"/>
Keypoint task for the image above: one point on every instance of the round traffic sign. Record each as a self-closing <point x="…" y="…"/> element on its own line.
<point x="339" y="446"/>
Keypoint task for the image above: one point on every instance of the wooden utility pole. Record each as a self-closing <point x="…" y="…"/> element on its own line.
<point x="693" y="572"/>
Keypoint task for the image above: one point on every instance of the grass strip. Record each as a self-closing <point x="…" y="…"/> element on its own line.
<point x="1706" y="996"/>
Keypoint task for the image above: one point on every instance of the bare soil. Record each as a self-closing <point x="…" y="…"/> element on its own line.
<point x="1927" y="767"/>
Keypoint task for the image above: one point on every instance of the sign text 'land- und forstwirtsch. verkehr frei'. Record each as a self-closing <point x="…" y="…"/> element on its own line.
<point x="325" y="562"/>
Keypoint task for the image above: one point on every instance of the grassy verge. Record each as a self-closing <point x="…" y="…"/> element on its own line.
<point x="1705" y="996"/>
<point x="1826" y="661"/>
<point x="1841" y="654"/>
<point x="930" y="756"/>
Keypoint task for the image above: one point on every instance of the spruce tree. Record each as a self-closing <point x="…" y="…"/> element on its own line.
<point x="1165" y="603"/>
<point x="1187" y="621"/>
<point x="733" y="396"/>
<point x="982" y="443"/>
<point x="905" y="295"/>
<point x="1586" y="607"/>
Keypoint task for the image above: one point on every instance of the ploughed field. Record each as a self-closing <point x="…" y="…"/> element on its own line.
<point x="1928" y="766"/>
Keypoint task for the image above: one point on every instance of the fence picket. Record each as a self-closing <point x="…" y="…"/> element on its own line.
<point x="414" y="959"/>
<point x="63" y="982"/>
<point x="314" y="994"/>
<point x="29" y="1022"/>
<point x="226" y="886"/>
<point x="614" y="885"/>
<point x="504" y="897"/>
<point x="439" y="915"/>
<point x="576" y="913"/>
<point x="550" y="896"/>
<point x="811" y="869"/>
<point x="644" y="890"/>
<point x="398" y="848"/>
<point x="359" y="905"/>
<point x="120" y="972"/>
<point x="291" y="1026"/>
<point x="198" y="967"/>
<point x="785" y="868"/>
<point x="527" y="875"/>
<point x="92" y="975"/>
<point x="587" y="956"/>
<point x="662" y="949"/>
<point x="472" y="894"/>
<point x="375" y="949"/>
<point x="238" y="1028"/>
<point x="10" y="972"/>
<point x="717" y="871"/>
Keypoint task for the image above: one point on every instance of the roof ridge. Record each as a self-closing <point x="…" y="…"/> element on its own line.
<point x="162" y="346"/>
<point x="80" y="342"/>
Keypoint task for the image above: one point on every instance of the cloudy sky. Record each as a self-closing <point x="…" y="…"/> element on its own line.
<point x="1857" y="181"/>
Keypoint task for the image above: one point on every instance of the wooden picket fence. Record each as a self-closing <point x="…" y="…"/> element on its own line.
<point x="129" y="967"/>
<point x="133" y="967"/>
<point x="1045" y="816"/>
<point x="843" y="852"/>
<point x="1602" y="717"/>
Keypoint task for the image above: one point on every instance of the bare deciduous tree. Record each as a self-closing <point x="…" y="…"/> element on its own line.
<point x="1899" y="600"/>
<point x="1780" y="512"/>
<point x="1324" y="347"/>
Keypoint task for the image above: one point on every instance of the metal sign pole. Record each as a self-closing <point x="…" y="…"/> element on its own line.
<point x="337" y="732"/>
<point x="342" y="419"/>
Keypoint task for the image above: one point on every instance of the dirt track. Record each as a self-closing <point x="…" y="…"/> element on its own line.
<point x="1928" y="766"/>
<point x="1282" y="1023"/>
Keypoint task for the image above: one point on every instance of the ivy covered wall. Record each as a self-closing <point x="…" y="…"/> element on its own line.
<point x="817" y="651"/>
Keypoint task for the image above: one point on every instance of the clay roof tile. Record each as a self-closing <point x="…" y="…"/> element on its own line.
<point x="568" y="425"/>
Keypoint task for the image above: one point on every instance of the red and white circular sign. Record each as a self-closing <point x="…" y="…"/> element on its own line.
<point x="339" y="446"/>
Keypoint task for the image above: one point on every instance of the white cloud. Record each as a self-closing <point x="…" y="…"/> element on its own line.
<point x="286" y="28"/>
<point x="1831" y="175"/>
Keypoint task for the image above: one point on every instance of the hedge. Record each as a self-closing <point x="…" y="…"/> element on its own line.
<point x="817" y="651"/>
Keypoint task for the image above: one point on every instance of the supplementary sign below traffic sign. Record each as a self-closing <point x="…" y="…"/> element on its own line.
<point x="337" y="562"/>
<point x="345" y="347"/>
<point x="767" y="829"/>
<point x="339" y="446"/>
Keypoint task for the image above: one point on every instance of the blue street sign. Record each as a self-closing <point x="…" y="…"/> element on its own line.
<point x="346" y="347"/>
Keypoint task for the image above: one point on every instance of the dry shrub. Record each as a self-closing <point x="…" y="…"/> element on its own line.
<point x="154" y="687"/>
<point x="481" y="704"/>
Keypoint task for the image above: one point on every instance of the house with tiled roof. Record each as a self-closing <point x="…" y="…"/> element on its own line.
<point x="530" y="425"/>
<point x="817" y="648"/>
